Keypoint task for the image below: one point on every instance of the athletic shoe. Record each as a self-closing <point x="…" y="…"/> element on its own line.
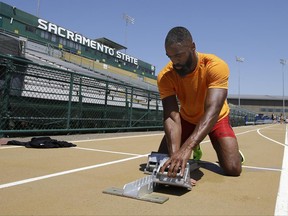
<point x="197" y="153"/>
<point x="242" y="157"/>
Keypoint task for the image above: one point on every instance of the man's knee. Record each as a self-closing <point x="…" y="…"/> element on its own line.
<point x="232" y="169"/>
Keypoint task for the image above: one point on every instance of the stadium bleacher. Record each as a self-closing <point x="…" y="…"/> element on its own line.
<point x="47" y="56"/>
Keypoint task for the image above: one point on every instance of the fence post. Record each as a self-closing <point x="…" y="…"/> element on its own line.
<point x="70" y="101"/>
<point x="131" y="107"/>
<point x="80" y="111"/>
<point x="107" y="92"/>
<point x="148" y="102"/>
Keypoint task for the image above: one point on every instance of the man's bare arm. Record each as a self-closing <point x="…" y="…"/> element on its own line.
<point x="172" y="123"/>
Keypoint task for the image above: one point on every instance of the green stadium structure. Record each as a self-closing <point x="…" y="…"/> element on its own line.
<point x="29" y="27"/>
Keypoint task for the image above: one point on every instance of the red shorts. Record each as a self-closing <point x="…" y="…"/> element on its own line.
<point x="221" y="129"/>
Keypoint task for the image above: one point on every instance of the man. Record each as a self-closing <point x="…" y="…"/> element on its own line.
<point x="200" y="83"/>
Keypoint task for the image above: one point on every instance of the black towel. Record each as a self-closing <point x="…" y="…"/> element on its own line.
<point x="42" y="142"/>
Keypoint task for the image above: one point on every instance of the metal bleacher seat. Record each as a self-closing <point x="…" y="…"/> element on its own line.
<point x="43" y="55"/>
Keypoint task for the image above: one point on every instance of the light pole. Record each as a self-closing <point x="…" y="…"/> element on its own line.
<point x="240" y="60"/>
<point x="128" y="19"/>
<point x="38" y="7"/>
<point x="283" y="62"/>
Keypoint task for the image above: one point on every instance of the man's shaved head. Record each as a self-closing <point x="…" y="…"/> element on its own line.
<point x="178" y="35"/>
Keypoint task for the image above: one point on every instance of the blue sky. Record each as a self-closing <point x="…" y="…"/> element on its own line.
<point x="256" y="30"/>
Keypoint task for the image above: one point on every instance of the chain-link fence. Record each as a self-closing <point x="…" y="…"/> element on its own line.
<point x="42" y="99"/>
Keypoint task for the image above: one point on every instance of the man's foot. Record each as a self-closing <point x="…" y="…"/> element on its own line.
<point x="193" y="182"/>
<point x="197" y="153"/>
<point x="242" y="157"/>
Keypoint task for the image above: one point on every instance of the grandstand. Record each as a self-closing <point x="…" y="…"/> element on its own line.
<point x="53" y="57"/>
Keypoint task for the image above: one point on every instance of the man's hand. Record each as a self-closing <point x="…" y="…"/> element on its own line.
<point x="177" y="162"/>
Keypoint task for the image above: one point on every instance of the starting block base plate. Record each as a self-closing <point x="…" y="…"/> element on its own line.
<point x="147" y="197"/>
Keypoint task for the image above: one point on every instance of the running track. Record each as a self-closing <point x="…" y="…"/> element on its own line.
<point x="70" y="181"/>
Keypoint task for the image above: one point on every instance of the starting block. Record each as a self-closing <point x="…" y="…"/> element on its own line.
<point x="154" y="160"/>
<point x="143" y="188"/>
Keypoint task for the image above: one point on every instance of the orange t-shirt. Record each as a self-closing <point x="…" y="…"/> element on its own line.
<point x="191" y="90"/>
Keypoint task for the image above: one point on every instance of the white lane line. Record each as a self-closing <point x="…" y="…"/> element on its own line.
<point x="262" y="168"/>
<point x="24" y="181"/>
<point x="115" y="138"/>
<point x="106" y="151"/>
<point x="9" y="147"/>
<point x="283" y="144"/>
<point x="281" y="207"/>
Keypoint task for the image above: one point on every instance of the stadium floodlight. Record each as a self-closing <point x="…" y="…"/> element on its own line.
<point x="283" y="62"/>
<point x="128" y="20"/>
<point x="240" y="60"/>
<point x="38" y="7"/>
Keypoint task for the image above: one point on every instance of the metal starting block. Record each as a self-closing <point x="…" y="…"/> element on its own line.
<point x="142" y="188"/>
<point x="180" y="181"/>
<point x="153" y="162"/>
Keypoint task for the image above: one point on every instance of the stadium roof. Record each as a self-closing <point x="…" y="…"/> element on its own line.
<point x="110" y="43"/>
<point x="257" y="97"/>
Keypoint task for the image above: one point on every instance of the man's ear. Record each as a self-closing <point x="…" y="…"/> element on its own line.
<point x="193" y="46"/>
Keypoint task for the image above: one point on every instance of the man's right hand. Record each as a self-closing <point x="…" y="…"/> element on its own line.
<point x="177" y="162"/>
